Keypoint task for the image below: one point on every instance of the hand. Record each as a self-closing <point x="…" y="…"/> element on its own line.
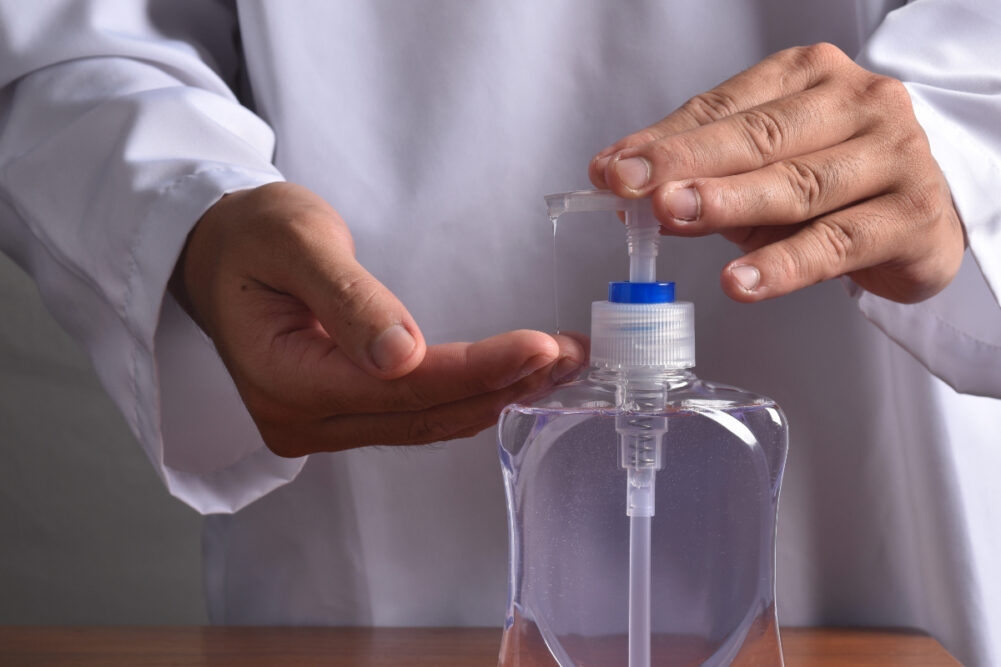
<point x="813" y="166"/>
<point x="323" y="355"/>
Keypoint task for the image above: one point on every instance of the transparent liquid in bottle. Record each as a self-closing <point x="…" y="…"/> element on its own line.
<point x="712" y="537"/>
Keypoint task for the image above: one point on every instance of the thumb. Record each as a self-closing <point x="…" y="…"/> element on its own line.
<point x="301" y="246"/>
<point x="370" y="325"/>
<point x="366" y="321"/>
<point x="290" y="240"/>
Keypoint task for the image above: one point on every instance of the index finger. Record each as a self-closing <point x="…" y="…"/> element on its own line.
<point x="788" y="127"/>
<point x="449" y="372"/>
<point x="780" y="74"/>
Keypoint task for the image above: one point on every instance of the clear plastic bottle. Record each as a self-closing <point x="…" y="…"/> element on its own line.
<point x="642" y="504"/>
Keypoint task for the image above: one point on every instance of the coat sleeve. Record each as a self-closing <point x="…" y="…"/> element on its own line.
<point x="948" y="54"/>
<point x="118" y="129"/>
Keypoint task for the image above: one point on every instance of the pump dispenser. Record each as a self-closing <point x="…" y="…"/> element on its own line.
<point x="682" y="571"/>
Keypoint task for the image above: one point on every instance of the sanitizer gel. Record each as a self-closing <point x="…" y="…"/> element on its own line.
<point x="642" y="501"/>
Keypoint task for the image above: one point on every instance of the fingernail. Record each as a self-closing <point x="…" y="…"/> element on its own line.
<point x="565" y="370"/>
<point x="683" y="204"/>
<point x="392" y="347"/>
<point x="533" y="364"/>
<point x="746" y="276"/>
<point x="600" y="162"/>
<point x="634" y="172"/>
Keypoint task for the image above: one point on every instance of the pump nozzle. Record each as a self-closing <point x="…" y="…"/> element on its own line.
<point x="642" y="229"/>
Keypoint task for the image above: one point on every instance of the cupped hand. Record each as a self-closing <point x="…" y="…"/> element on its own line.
<point x="323" y="355"/>
<point x="813" y="166"/>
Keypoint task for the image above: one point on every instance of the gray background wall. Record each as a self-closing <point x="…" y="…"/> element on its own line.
<point x="88" y="535"/>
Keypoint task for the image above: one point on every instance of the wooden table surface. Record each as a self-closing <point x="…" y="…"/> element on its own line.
<point x="385" y="647"/>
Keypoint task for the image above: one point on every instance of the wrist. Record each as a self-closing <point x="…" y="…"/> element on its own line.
<point x="189" y="282"/>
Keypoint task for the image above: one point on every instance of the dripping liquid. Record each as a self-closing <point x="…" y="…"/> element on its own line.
<point x="554" y="220"/>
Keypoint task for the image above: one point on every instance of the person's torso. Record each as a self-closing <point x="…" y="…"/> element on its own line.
<point x="435" y="129"/>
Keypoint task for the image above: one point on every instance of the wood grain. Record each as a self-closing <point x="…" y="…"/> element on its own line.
<point x="385" y="647"/>
<point x="827" y="647"/>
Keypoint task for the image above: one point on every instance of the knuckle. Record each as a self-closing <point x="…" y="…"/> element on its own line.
<point x="819" y="56"/>
<point x="789" y="262"/>
<point x="763" y="131"/>
<point x="833" y="241"/>
<point x="923" y="202"/>
<point x="908" y="145"/>
<point x="805" y="184"/>
<point x="825" y="53"/>
<point x="887" y="92"/>
<point x="796" y="57"/>
<point x="355" y="294"/>
<point x="711" y="106"/>
<point x="675" y="156"/>
<point x="821" y="253"/>
<point x="720" y="204"/>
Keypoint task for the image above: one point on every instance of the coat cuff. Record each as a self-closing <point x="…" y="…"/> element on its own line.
<point x="187" y="412"/>
<point x="957" y="333"/>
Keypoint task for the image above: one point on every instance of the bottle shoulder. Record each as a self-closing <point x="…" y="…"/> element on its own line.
<point x="600" y="391"/>
<point x="692" y="410"/>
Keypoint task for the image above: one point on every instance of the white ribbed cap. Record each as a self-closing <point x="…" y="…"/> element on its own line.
<point x="649" y="335"/>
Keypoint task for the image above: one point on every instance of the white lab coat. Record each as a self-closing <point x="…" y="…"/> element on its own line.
<point x="435" y="129"/>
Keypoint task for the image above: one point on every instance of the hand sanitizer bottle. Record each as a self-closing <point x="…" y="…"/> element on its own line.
<point x="642" y="501"/>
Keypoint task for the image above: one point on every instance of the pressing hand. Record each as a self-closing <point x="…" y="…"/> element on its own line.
<point x="813" y="166"/>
